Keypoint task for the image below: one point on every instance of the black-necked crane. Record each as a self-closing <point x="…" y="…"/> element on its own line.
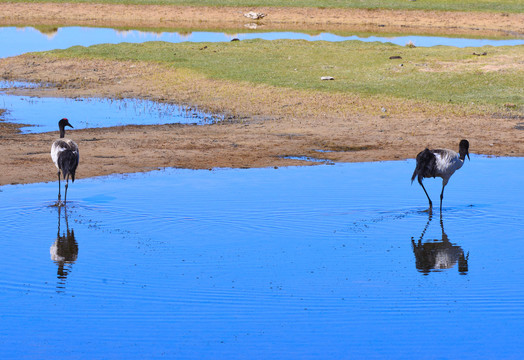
<point x="65" y="155"/>
<point x="439" y="162"/>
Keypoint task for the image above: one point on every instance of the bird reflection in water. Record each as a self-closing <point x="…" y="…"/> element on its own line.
<point x="437" y="255"/>
<point x="64" y="252"/>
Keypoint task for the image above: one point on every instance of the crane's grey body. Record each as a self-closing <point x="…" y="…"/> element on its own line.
<point x="66" y="156"/>
<point x="439" y="163"/>
<point x="446" y="163"/>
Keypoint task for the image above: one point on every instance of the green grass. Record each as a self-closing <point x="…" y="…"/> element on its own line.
<point x="440" y="74"/>
<point x="514" y="6"/>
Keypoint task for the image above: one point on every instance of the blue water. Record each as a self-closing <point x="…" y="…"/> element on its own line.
<point x="16" y="41"/>
<point x="294" y="263"/>
<point x="43" y="113"/>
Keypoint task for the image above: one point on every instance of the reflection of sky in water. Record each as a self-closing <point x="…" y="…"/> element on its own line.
<point x="16" y="41"/>
<point x="91" y="113"/>
<point x="307" y="263"/>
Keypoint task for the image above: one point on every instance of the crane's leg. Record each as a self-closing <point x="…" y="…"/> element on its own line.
<point x="66" y="186"/>
<point x="444" y="183"/>
<point x="430" y="203"/>
<point x="419" y="244"/>
<point x="425" y="228"/>
<point x="59" y="195"/>
<point x="58" y="233"/>
<point x="67" y="223"/>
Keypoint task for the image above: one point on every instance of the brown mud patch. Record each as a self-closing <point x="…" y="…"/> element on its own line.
<point x="263" y="124"/>
<point x="232" y="18"/>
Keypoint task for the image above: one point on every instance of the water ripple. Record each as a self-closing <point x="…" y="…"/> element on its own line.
<point x="299" y="258"/>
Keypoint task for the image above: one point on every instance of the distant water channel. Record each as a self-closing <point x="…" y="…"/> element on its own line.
<point x="16" y="41"/>
<point x="326" y="262"/>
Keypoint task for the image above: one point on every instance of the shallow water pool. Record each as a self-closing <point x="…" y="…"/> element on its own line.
<point x="331" y="261"/>
<point x="43" y="113"/>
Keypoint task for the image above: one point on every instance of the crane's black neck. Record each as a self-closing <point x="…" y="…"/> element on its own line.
<point x="464" y="149"/>
<point x="61" y="125"/>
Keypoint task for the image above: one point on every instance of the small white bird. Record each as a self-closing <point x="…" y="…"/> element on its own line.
<point x="439" y="162"/>
<point x="65" y="155"/>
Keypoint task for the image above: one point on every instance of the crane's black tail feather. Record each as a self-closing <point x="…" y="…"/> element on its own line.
<point x="68" y="162"/>
<point x="426" y="162"/>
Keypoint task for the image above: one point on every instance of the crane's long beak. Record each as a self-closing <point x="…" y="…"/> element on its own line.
<point x="70" y="125"/>
<point x="466" y="154"/>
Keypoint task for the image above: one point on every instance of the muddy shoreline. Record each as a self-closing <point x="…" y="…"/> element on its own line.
<point x="257" y="134"/>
